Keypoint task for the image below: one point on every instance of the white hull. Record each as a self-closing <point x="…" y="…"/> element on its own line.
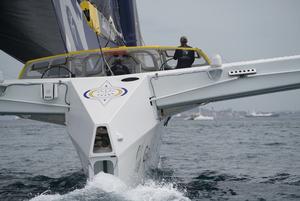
<point x="126" y="117"/>
<point x="133" y="126"/>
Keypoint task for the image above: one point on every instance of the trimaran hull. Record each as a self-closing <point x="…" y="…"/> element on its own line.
<point x="132" y="109"/>
<point x="115" y="124"/>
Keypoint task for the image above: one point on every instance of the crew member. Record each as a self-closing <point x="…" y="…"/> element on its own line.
<point x="185" y="57"/>
<point x="118" y="68"/>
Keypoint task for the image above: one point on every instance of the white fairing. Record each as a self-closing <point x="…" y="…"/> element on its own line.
<point x="132" y="123"/>
<point x="216" y="61"/>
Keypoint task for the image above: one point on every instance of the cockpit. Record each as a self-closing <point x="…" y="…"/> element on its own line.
<point x="109" y="62"/>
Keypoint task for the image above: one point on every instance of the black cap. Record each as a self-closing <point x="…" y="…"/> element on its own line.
<point x="183" y="39"/>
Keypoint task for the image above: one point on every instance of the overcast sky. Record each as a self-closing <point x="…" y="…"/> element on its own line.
<point x="237" y="29"/>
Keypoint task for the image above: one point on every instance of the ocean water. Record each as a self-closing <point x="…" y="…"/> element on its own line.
<point x="253" y="159"/>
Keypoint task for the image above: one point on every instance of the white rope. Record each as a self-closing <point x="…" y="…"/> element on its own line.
<point x="262" y="61"/>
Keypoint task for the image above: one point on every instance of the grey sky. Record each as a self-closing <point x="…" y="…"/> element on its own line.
<point x="237" y="29"/>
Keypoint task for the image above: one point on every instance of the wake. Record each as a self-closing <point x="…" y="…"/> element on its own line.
<point x="108" y="187"/>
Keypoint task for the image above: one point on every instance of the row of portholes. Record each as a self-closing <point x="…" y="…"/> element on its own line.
<point x="242" y="71"/>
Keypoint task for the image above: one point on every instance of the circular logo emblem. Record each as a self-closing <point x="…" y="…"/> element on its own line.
<point x="105" y="93"/>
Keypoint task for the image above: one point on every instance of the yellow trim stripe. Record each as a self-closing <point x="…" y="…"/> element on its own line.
<point x="112" y="49"/>
<point x="119" y="92"/>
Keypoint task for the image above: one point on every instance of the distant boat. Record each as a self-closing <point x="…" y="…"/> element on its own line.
<point x="178" y="115"/>
<point x="262" y="114"/>
<point x="201" y="117"/>
<point x="198" y="117"/>
<point x="9" y="118"/>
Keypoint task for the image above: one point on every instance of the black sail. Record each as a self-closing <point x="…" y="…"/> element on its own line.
<point x="37" y="28"/>
<point x="29" y="29"/>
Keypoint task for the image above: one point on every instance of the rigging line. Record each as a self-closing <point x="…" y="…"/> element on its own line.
<point x="98" y="10"/>
<point x="104" y="60"/>
<point x="109" y="38"/>
<point x="60" y="28"/>
<point x="100" y="47"/>
<point x="99" y="44"/>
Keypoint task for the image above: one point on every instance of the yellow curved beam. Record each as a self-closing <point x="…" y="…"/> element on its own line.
<point x="115" y="49"/>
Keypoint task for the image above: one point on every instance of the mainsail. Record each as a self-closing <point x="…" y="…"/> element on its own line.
<point x="33" y="28"/>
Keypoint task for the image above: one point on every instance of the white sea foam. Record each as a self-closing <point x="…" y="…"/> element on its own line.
<point x="108" y="187"/>
<point x="155" y="192"/>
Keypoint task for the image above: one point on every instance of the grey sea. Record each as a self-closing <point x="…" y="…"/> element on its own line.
<point x="253" y="159"/>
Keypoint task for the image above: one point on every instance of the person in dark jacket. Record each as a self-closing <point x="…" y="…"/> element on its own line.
<point x="185" y="57"/>
<point x="118" y="68"/>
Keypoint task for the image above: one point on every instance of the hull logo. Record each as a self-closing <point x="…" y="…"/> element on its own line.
<point x="105" y="93"/>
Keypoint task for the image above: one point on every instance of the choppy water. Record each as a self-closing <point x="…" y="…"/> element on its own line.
<point x="232" y="159"/>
